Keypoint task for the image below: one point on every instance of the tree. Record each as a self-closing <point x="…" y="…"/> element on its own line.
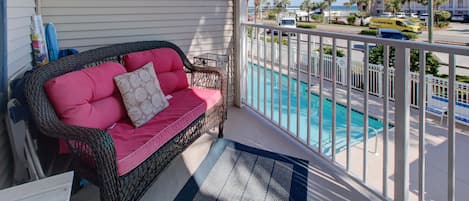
<point x="436" y="3"/>
<point x="329" y="5"/>
<point x="408" y="4"/>
<point x="431" y="63"/>
<point x="257" y="6"/>
<point x="393" y="5"/>
<point x="323" y="5"/>
<point x="360" y="3"/>
<point x="281" y="5"/>
<point x="308" y="6"/>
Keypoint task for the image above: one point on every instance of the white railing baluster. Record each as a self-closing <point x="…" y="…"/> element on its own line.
<point x="402" y="123"/>
<point x="258" y="87"/>
<point x="349" y="101"/>
<point x="272" y="47"/>
<point x="365" y="113"/>
<point x="244" y="54"/>
<point x="422" y="94"/>
<point x="451" y="129"/>
<point x="385" y="119"/>
<point x="334" y="83"/>
<point x="298" y="51"/>
<point x="308" y="92"/>
<point x="280" y="75"/>
<point x="288" y="83"/>
<point x="265" y="72"/>
<point x="321" y="97"/>
<point x="252" y="66"/>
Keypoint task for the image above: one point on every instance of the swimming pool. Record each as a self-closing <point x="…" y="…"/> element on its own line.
<point x="375" y="126"/>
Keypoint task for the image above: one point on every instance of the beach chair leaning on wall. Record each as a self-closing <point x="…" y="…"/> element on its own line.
<point x="462" y="113"/>
<point x="438" y="106"/>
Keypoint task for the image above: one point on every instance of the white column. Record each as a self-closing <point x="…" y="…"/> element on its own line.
<point x="402" y="89"/>
<point x="240" y="55"/>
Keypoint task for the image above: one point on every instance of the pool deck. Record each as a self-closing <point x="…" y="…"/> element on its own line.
<point x="436" y="145"/>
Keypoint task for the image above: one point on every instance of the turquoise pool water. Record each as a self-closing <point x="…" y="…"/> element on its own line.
<point x="374" y="125"/>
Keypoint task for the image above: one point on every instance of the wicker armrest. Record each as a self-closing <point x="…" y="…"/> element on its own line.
<point x="209" y="77"/>
<point x="93" y="146"/>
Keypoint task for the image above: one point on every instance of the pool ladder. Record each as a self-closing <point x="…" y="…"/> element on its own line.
<point x="373" y="130"/>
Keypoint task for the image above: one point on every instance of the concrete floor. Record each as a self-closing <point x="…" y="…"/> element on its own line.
<point x="325" y="182"/>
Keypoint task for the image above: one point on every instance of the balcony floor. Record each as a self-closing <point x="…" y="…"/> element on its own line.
<point x="324" y="183"/>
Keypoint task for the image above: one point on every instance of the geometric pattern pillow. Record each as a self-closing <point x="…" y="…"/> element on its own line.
<point x="141" y="93"/>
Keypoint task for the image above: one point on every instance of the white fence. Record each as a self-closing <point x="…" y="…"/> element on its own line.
<point x="435" y="86"/>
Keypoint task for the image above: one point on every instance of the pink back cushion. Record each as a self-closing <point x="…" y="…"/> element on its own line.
<point x="168" y="67"/>
<point x="88" y="97"/>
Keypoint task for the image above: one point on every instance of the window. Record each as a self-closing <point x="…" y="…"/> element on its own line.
<point x="399" y="23"/>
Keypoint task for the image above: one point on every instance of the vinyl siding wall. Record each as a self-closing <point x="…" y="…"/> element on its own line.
<point x="19" y="39"/>
<point x="19" y="14"/>
<point x="196" y="26"/>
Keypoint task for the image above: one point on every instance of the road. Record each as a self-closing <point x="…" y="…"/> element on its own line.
<point x="456" y="34"/>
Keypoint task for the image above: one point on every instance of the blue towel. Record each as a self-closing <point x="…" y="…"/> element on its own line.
<point x="52" y="44"/>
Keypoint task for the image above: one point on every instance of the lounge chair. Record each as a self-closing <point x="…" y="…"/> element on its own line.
<point x="437" y="106"/>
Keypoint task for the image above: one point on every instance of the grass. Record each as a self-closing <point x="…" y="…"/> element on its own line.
<point x="306" y="25"/>
<point x="276" y="40"/>
<point x="459" y="78"/>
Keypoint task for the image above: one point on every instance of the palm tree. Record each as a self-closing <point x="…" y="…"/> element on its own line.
<point x="308" y="6"/>
<point x="359" y="4"/>
<point x="257" y="5"/>
<point x="281" y="5"/>
<point x="393" y="5"/>
<point x="436" y="3"/>
<point x="347" y="5"/>
<point x="329" y="3"/>
<point x="323" y="5"/>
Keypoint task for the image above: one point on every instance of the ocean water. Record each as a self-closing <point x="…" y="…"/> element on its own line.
<point x="254" y="88"/>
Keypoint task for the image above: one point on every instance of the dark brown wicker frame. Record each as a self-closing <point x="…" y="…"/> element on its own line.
<point x="95" y="146"/>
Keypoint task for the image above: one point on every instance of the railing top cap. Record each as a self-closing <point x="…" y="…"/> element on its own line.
<point x="450" y="49"/>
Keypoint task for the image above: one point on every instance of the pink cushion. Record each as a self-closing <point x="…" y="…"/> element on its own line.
<point x="168" y="67"/>
<point x="88" y="97"/>
<point x="135" y="145"/>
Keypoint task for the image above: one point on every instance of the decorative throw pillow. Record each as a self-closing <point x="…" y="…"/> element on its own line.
<point x="141" y="93"/>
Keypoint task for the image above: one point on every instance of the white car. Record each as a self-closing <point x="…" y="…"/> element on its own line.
<point x="400" y="15"/>
<point x="423" y="16"/>
<point x="412" y="15"/>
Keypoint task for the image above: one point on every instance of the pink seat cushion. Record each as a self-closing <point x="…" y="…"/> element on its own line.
<point x="168" y="67"/>
<point x="88" y="97"/>
<point x="135" y="145"/>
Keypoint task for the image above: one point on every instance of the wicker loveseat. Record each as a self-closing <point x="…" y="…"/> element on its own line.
<point x="94" y="150"/>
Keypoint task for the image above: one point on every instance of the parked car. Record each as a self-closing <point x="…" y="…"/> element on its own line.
<point x="391" y="34"/>
<point x="386" y="14"/>
<point x="460" y="18"/>
<point x="412" y="15"/>
<point x="395" y="23"/>
<point x="423" y="16"/>
<point x="400" y="15"/>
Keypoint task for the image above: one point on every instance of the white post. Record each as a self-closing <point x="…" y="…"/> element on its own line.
<point x="240" y="52"/>
<point x="380" y="80"/>
<point x="429" y="82"/>
<point x="402" y="89"/>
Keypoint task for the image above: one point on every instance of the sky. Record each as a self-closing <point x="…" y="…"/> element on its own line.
<point x="298" y="2"/>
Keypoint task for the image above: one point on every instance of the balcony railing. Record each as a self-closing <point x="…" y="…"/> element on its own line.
<point x="291" y="79"/>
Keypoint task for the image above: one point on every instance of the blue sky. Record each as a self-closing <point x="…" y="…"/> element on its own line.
<point x="298" y="2"/>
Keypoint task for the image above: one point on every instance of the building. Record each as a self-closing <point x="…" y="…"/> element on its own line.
<point x="456" y="7"/>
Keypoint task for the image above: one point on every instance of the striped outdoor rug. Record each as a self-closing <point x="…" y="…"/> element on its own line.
<point x="232" y="171"/>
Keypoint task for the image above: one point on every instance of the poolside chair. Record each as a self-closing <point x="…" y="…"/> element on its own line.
<point x="437" y="106"/>
<point x="462" y="113"/>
